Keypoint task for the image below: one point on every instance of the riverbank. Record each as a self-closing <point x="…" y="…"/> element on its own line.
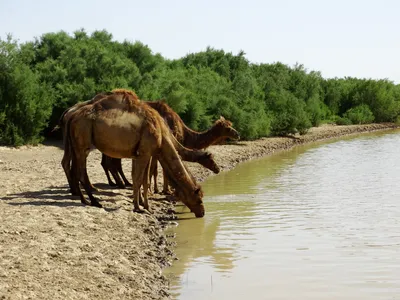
<point x="52" y="247"/>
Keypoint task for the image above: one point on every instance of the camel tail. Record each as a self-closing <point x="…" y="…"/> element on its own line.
<point x="67" y="138"/>
<point x="57" y="127"/>
<point x="61" y="120"/>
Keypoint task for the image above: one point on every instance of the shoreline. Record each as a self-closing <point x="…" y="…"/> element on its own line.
<point x="229" y="155"/>
<point x="52" y="247"/>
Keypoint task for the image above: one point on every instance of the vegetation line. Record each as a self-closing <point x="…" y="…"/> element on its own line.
<point x="41" y="78"/>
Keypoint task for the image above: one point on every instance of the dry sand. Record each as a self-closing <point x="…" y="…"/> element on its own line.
<point x="52" y="247"/>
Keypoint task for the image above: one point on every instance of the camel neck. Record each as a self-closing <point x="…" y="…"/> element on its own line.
<point x="199" y="140"/>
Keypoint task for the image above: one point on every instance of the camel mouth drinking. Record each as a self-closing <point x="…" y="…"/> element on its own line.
<point x="199" y="212"/>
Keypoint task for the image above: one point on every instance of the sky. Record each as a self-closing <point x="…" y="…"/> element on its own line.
<point x="338" y="38"/>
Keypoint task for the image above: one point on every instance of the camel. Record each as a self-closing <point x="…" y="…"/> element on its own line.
<point x="201" y="157"/>
<point x="189" y="138"/>
<point x="221" y="130"/>
<point x="122" y="126"/>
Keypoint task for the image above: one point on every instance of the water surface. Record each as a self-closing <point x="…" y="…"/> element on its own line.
<point x="316" y="222"/>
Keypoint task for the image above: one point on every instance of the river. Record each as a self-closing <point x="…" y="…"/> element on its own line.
<point x="321" y="221"/>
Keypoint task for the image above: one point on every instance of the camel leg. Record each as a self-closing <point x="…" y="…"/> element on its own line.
<point x="81" y="175"/>
<point x="75" y="181"/>
<point x="81" y="166"/>
<point x="118" y="165"/>
<point x="91" y="186"/>
<point x="166" y="190"/>
<point x="67" y="166"/>
<point x="66" y="160"/>
<point x="154" y="173"/>
<point x="146" y="186"/>
<point x="79" y="137"/>
<point x="115" y="175"/>
<point x="105" y="165"/>
<point x="109" y="166"/>
<point x="139" y="167"/>
<point x="74" y="187"/>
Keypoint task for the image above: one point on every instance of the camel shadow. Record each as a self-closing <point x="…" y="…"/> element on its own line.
<point x="51" y="193"/>
<point x="55" y="141"/>
<point x="51" y="196"/>
<point x="48" y="197"/>
<point x="105" y="186"/>
<point x="49" y="203"/>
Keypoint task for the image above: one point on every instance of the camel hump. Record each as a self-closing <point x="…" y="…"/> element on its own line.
<point x="131" y="95"/>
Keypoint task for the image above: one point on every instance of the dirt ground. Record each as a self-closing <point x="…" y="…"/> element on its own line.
<point x="53" y="247"/>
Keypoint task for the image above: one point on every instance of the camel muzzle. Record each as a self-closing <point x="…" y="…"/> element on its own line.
<point x="199" y="211"/>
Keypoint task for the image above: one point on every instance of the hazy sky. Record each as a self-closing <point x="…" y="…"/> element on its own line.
<point x="359" y="38"/>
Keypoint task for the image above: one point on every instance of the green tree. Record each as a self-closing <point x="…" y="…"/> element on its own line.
<point x="360" y="114"/>
<point x="25" y="105"/>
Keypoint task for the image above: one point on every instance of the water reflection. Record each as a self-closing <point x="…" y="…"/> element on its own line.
<point x="320" y="222"/>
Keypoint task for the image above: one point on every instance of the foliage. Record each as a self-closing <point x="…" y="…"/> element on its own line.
<point x="41" y="78"/>
<point x="25" y="104"/>
<point x="289" y="113"/>
<point x="360" y="114"/>
<point x="342" y="121"/>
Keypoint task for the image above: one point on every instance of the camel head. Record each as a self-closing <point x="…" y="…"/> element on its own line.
<point x="207" y="161"/>
<point x="191" y="196"/>
<point x="225" y="129"/>
<point x="194" y="201"/>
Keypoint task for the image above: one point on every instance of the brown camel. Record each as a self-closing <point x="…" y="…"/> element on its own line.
<point x="201" y="157"/>
<point x="189" y="138"/>
<point x="221" y="130"/>
<point x="122" y="126"/>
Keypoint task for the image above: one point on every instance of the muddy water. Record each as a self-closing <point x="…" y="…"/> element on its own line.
<point x="318" y="222"/>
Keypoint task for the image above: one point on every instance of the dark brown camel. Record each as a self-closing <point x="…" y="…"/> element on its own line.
<point x="121" y="126"/>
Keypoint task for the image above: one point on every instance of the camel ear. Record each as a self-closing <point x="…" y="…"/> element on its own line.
<point x="197" y="191"/>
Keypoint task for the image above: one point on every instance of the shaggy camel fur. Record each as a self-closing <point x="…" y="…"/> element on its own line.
<point x="122" y="126"/>
<point x="221" y="130"/>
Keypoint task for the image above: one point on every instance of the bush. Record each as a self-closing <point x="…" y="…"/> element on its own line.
<point x="289" y="114"/>
<point x="25" y="104"/>
<point x="39" y="79"/>
<point x="342" y="121"/>
<point x="360" y="114"/>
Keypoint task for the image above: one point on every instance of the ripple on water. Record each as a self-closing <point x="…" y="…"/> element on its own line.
<point x="321" y="222"/>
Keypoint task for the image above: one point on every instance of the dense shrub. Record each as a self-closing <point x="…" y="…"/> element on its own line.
<point x="342" y="121"/>
<point x="41" y="78"/>
<point x="25" y="103"/>
<point x="360" y="114"/>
